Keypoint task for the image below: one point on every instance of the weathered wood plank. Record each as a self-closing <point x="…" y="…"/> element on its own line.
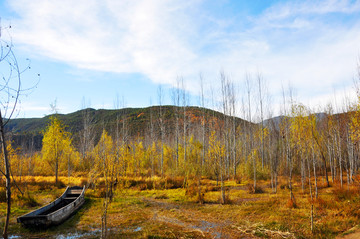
<point x="57" y="211"/>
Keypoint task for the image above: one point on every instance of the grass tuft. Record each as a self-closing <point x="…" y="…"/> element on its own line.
<point x="27" y="200"/>
<point x="60" y="184"/>
<point x="344" y="193"/>
<point x="256" y="190"/>
<point x="291" y="203"/>
<point x="162" y="196"/>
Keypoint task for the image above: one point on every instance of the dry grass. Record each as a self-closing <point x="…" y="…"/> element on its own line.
<point x="156" y="207"/>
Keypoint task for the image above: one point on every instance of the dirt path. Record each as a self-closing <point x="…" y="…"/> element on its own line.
<point x="191" y="220"/>
<point x="353" y="233"/>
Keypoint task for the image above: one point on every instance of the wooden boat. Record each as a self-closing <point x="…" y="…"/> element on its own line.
<point x="57" y="211"/>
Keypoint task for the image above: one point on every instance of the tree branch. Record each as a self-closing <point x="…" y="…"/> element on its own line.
<point x="15" y="182"/>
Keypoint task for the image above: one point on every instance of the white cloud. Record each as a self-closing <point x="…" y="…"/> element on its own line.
<point x="293" y="9"/>
<point x="31" y="109"/>
<point x="114" y="36"/>
<point x="292" y="41"/>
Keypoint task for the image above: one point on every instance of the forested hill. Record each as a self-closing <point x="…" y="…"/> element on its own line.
<point x="134" y="122"/>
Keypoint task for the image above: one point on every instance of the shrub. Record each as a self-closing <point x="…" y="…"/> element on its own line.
<point x="84" y="181"/>
<point x="201" y="198"/>
<point x="28" y="201"/>
<point x="227" y="198"/>
<point x="321" y="203"/>
<point x="144" y="186"/>
<point x="154" y="183"/>
<point x="173" y="183"/>
<point x="161" y="196"/>
<point x="284" y="186"/>
<point x="291" y="203"/>
<point x="247" y="169"/>
<point x="212" y="188"/>
<point x="345" y="193"/>
<point x="139" y="183"/>
<point x="60" y="184"/>
<point x="257" y="189"/>
<point x="191" y="190"/>
<point x="101" y="193"/>
<point x="238" y="180"/>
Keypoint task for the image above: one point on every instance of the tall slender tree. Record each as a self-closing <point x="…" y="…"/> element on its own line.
<point x="176" y="102"/>
<point x="86" y="135"/>
<point x="11" y="88"/>
<point x="162" y="128"/>
<point x="56" y="144"/>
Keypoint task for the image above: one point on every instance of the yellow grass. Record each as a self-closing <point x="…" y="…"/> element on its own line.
<point x="163" y="212"/>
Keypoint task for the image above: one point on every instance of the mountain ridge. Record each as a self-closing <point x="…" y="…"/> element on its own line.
<point x="136" y="120"/>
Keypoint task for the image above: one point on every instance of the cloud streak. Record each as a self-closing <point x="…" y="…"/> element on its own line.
<point x="309" y="43"/>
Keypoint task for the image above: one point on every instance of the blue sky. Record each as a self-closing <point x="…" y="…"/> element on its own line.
<point x="98" y="50"/>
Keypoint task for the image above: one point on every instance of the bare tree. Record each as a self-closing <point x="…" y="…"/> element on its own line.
<point x="122" y="135"/>
<point x="11" y="89"/>
<point x="233" y="138"/>
<point x="261" y="85"/>
<point x="287" y="140"/>
<point x="162" y="128"/>
<point x="151" y="140"/>
<point x="203" y="118"/>
<point x="185" y="102"/>
<point x="203" y="132"/>
<point x="227" y="98"/>
<point x="87" y="134"/>
<point x="250" y="130"/>
<point x="176" y="101"/>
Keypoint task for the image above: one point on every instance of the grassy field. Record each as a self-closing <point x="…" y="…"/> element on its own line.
<point x="163" y="208"/>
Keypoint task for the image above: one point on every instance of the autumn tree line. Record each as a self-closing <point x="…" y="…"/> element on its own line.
<point x="200" y="143"/>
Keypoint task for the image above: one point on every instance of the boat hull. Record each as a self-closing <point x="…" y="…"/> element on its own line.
<point x="57" y="211"/>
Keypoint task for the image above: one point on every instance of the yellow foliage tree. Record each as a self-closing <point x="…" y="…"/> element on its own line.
<point x="301" y="139"/>
<point x="56" y="145"/>
<point x="15" y="164"/>
<point x="104" y="155"/>
<point x="302" y="129"/>
<point x="355" y="122"/>
<point x="216" y="154"/>
<point x="106" y="166"/>
<point x="137" y="158"/>
<point x="194" y="163"/>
